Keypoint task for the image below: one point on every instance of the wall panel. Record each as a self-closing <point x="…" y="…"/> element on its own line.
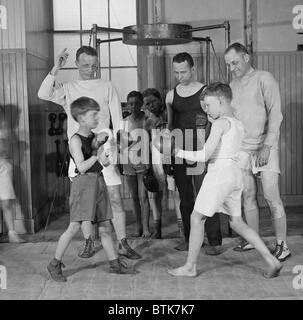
<point x="26" y="53"/>
<point x="13" y="73"/>
<point x="288" y="72"/>
<point x="14" y="36"/>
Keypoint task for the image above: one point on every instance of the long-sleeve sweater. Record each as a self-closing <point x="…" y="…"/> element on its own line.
<point x="257" y="103"/>
<point x="102" y="91"/>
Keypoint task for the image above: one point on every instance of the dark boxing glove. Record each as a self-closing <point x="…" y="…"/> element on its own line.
<point x="150" y="181"/>
<point x="164" y="142"/>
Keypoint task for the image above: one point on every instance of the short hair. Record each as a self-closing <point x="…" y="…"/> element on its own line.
<point x="152" y="92"/>
<point x="88" y="50"/>
<point x="238" y="47"/>
<point x="83" y="105"/>
<point x="217" y="89"/>
<point x="135" y="94"/>
<point x="182" y="57"/>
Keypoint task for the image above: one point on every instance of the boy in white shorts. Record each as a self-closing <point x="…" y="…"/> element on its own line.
<point x="222" y="185"/>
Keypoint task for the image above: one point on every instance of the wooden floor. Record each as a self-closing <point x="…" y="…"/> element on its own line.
<point x="229" y="276"/>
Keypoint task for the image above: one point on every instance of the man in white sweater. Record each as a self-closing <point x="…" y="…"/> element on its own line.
<point x="110" y="112"/>
<point x="257" y="104"/>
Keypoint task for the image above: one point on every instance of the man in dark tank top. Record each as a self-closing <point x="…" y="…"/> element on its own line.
<point x="184" y="112"/>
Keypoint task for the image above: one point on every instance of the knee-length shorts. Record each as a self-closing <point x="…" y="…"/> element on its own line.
<point x="89" y="199"/>
<point x="247" y="161"/>
<point x="221" y="190"/>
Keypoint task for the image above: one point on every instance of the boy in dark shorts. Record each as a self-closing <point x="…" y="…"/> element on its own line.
<point x="88" y="196"/>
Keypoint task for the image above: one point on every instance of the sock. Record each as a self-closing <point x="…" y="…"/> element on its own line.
<point x="180" y="223"/>
<point x="283" y="243"/>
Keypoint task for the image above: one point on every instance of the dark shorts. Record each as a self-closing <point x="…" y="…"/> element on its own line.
<point x="89" y="200"/>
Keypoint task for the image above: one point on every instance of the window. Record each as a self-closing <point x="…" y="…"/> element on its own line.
<point x="118" y="61"/>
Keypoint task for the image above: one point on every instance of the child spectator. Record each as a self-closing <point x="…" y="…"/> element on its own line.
<point x="133" y="170"/>
<point x="154" y="105"/>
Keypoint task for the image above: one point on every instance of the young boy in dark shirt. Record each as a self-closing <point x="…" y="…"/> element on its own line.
<point x="88" y="196"/>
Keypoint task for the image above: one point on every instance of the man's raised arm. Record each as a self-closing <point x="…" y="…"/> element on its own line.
<point x="47" y="90"/>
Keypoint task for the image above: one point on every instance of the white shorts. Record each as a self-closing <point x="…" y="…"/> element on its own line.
<point x="247" y="161"/>
<point x="221" y="190"/>
<point x="112" y="175"/>
<point x="6" y="181"/>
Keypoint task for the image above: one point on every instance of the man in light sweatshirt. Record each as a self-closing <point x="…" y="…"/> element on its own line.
<point x="257" y="103"/>
<point x="110" y="112"/>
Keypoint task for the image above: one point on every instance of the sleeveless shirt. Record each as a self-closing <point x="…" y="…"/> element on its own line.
<point x="230" y="144"/>
<point x="88" y="152"/>
<point x="186" y="110"/>
<point x="188" y="114"/>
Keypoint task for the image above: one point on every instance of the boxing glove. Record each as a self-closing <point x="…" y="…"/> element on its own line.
<point x="164" y="142"/>
<point x="150" y="182"/>
<point x="99" y="140"/>
<point x="95" y="146"/>
<point x="103" y="137"/>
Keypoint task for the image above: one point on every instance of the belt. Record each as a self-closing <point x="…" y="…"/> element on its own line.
<point x="92" y="174"/>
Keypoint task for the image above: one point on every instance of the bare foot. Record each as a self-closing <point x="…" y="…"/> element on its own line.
<point x="274" y="270"/>
<point x="182" y="272"/>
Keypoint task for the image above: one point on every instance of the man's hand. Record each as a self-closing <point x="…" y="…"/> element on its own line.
<point x="60" y="61"/>
<point x="263" y="156"/>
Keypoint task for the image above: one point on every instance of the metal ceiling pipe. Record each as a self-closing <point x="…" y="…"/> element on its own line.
<point x="124" y="30"/>
<point x="225" y="25"/>
<point x="96" y="45"/>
